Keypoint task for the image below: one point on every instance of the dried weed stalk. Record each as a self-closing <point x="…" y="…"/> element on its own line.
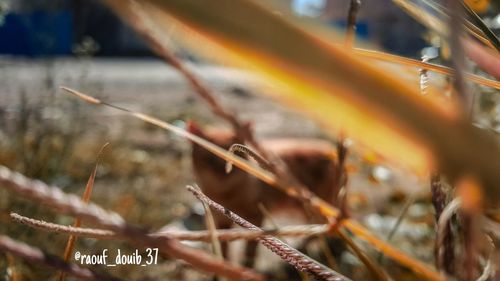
<point x="222" y="234"/>
<point x="300" y="261"/>
<point x="68" y="251"/>
<point x="70" y="204"/>
<point x="36" y="256"/>
<point x="352" y="14"/>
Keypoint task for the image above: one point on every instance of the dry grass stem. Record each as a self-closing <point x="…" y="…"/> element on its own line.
<point x="71" y="204"/>
<point x="443" y="229"/>
<point x="248" y="152"/>
<point x="57" y="228"/>
<point x="455" y="26"/>
<point x="144" y="27"/>
<point x="212" y="232"/>
<point x="381" y="56"/>
<point x="434" y="23"/>
<point x="351" y="22"/>
<point x="222" y="234"/>
<point x="68" y="251"/>
<point x="300" y="261"/>
<point x="376" y="271"/>
<point x="36" y="256"/>
<point x="481" y="26"/>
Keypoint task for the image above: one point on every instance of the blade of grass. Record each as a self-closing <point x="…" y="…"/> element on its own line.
<point x="223" y="234"/>
<point x="482" y="26"/>
<point x="471" y="27"/>
<point x="376" y="271"/>
<point x="381" y="56"/>
<point x="53" y="197"/>
<point x="336" y="88"/>
<point x="70" y="245"/>
<point x="289" y="254"/>
<point x="434" y="23"/>
<point x="214" y="236"/>
<point x="323" y="207"/>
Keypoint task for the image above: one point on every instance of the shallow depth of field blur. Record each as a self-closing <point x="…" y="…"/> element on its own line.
<point x="48" y="135"/>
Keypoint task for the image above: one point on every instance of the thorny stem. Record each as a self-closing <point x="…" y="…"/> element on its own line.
<point x="222" y="234"/>
<point x="300" y="261"/>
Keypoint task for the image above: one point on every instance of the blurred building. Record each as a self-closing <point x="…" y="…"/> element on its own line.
<point x="66" y="27"/>
<point x="61" y="27"/>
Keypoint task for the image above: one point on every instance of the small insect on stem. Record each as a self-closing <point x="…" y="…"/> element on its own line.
<point x="248" y="152"/>
<point x="424" y="76"/>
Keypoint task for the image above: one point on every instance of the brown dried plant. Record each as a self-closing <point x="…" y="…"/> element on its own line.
<point x="56" y="199"/>
<point x="68" y="251"/>
<point x="300" y="261"/>
<point x="303" y="195"/>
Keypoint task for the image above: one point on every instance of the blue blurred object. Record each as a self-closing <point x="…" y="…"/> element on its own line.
<point x="362" y="28"/>
<point x="38" y="33"/>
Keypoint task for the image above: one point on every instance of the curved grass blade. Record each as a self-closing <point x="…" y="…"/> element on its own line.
<point x="482" y="26"/>
<point x="381" y="56"/>
<point x="68" y="251"/>
<point x="339" y="90"/>
<point x="434" y="23"/>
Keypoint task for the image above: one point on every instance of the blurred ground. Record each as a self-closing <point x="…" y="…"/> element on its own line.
<point x="54" y="137"/>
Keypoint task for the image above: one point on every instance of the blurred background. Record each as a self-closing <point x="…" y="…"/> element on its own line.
<point x="63" y="27"/>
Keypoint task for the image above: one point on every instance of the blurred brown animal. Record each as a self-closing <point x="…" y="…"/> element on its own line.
<point x="311" y="161"/>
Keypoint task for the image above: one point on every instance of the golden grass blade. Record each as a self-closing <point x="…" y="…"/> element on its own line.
<point x="423" y="17"/>
<point x="323" y="207"/>
<point x="434" y="23"/>
<point x="238" y="161"/>
<point x="70" y="245"/>
<point x="339" y="90"/>
<point x="479" y="30"/>
<point x="381" y="56"/>
<point x="482" y="26"/>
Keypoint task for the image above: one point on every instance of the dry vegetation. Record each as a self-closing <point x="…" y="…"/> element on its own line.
<point x="419" y="203"/>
